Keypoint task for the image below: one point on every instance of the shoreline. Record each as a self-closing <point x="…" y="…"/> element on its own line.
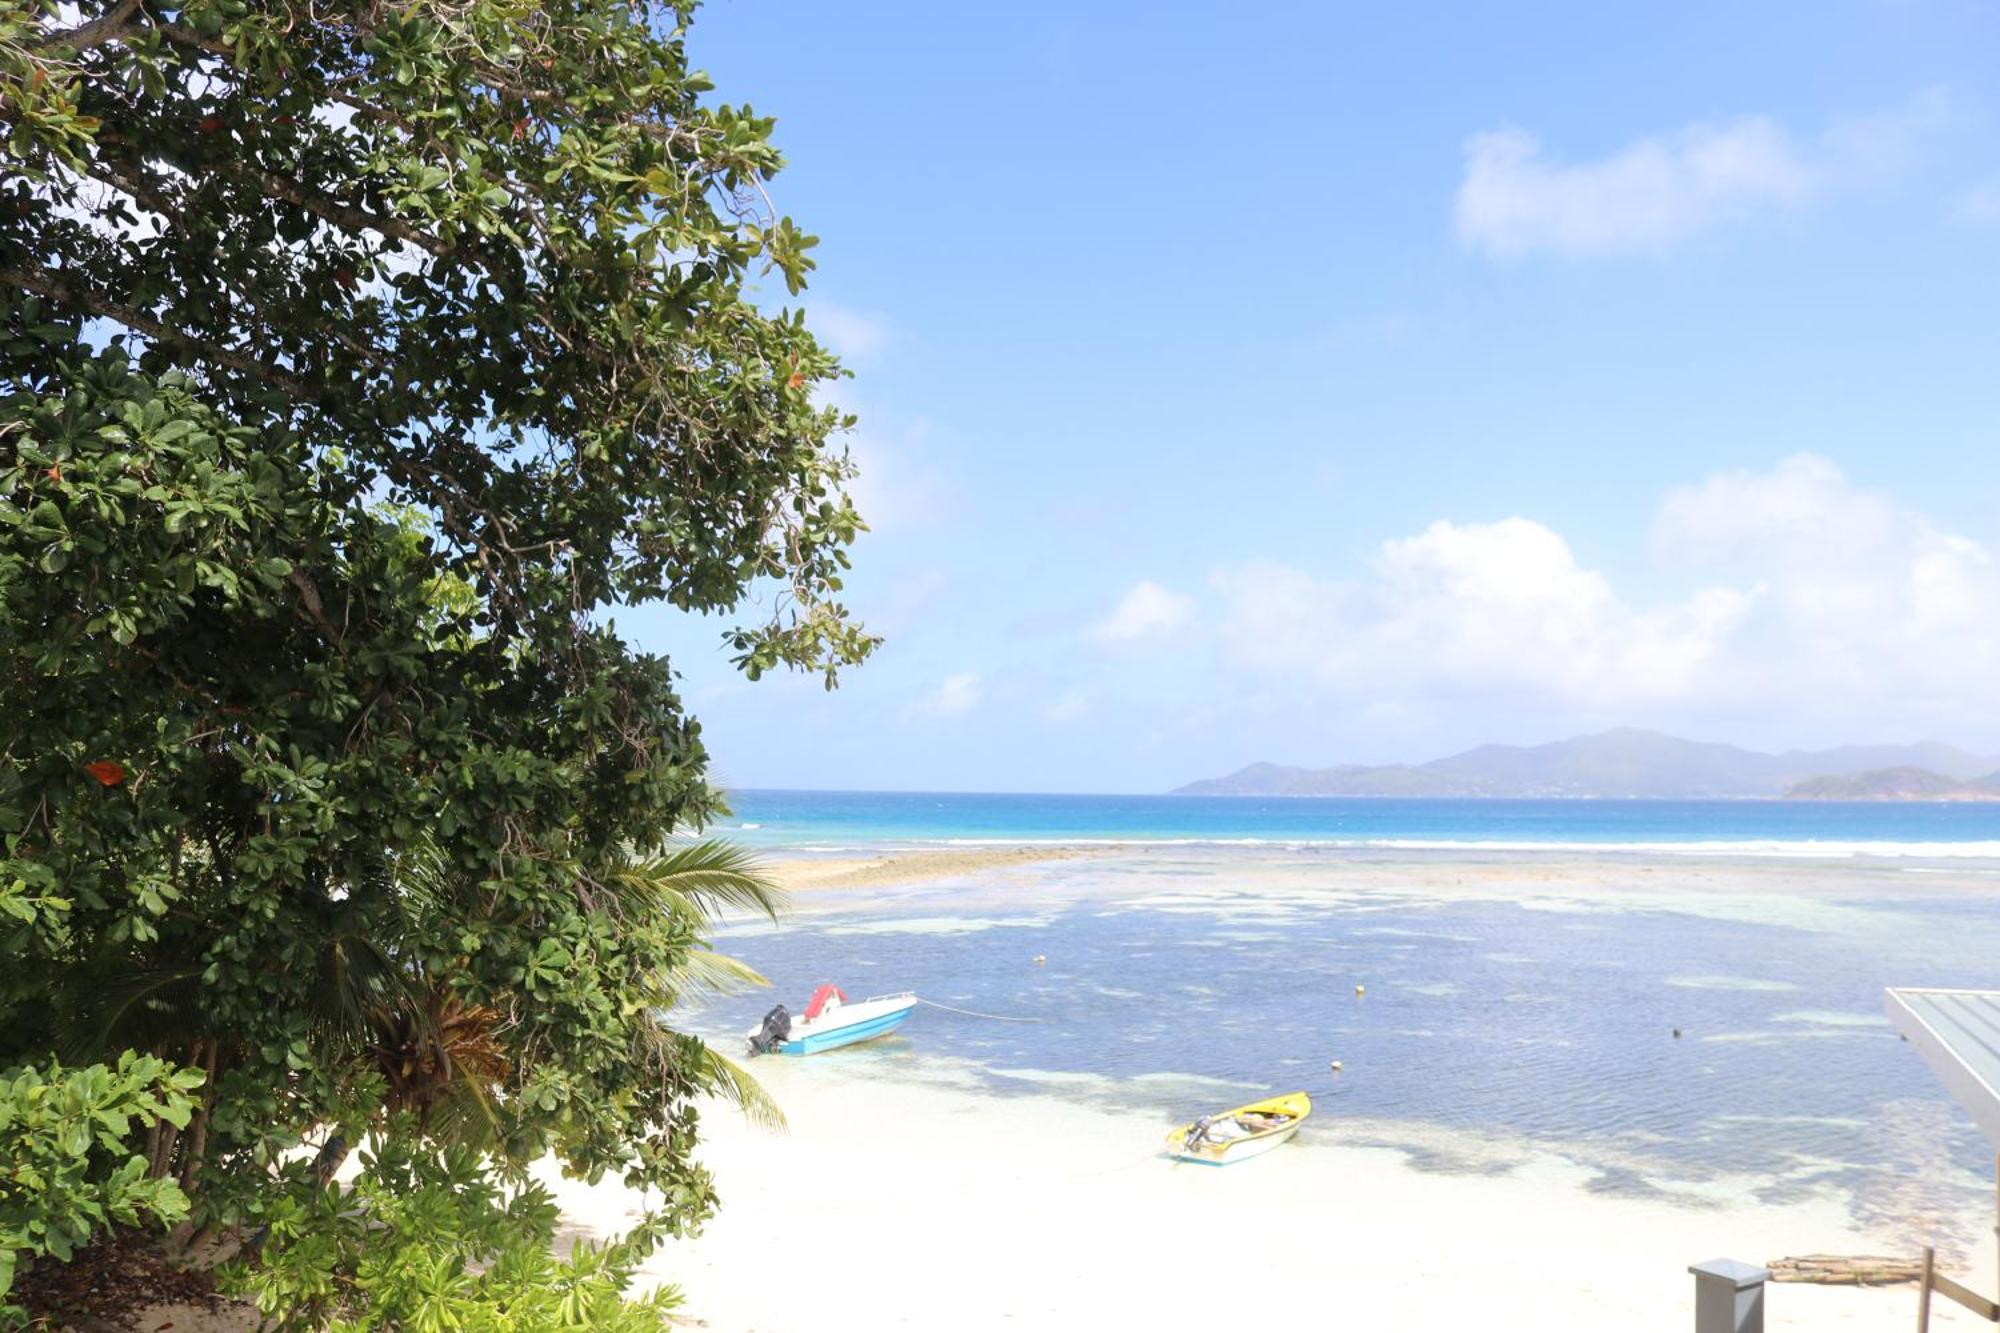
<point x="798" y="872"/>
<point x="1440" y="868"/>
<point x="1035" y="1211"/>
<point x="954" y="1160"/>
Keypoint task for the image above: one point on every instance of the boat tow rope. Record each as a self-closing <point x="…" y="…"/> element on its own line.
<point x="974" y="1013"/>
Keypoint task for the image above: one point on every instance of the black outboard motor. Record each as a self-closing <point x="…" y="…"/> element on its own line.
<point x="777" y="1027"/>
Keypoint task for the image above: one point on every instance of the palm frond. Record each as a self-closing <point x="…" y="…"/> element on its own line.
<point x="357" y="982"/>
<point x="142" y="1008"/>
<point x="421" y="877"/>
<point x="732" y="1083"/>
<point x="701" y="879"/>
<point x="704" y="972"/>
<point x="443" y="1059"/>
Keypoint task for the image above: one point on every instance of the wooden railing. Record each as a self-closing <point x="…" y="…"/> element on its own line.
<point x="1932" y="1280"/>
<point x="1729" y="1296"/>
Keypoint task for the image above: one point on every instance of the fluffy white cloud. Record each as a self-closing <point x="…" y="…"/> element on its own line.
<point x="902" y="483"/>
<point x="1863" y="604"/>
<point x="1496" y="610"/>
<point x="1808" y="600"/>
<point x="1979" y="206"/>
<point x="854" y="335"/>
<point x="1146" y="611"/>
<point x="1663" y="189"/>
<point x="1645" y="197"/>
<point x="955" y="696"/>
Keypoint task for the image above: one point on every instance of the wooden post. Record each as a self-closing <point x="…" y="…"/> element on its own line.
<point x="1924" y="1292"/>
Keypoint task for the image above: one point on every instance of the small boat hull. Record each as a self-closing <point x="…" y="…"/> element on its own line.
<point x="1294" y="1106"/>
<point x="847" y="1025"/>
<point x="1242" y="1150"/>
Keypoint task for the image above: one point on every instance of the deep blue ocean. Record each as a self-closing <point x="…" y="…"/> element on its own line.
<point x="839" y="820"/>
<point x="1685" y="996"/>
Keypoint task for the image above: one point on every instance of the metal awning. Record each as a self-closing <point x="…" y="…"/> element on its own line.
<point x="1958" y="1034"/>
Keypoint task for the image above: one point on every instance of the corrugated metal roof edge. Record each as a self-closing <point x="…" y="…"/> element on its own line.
<point x="1979" y="1097"/>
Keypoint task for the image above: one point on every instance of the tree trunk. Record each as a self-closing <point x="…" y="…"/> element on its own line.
<point x="195" y="1155"/>
<point x="197" y="1143"/>
<point x="160" y="1163"/>
<point x="163" y="1154"/>
<point x="331" y="1154"/>
<point x="330" y="1157"/>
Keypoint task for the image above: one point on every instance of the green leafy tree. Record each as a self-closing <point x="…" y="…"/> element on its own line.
<point x="356" y="362"/>
<point x="69" y="1165"/>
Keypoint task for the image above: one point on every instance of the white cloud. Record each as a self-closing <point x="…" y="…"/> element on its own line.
<point x="854" y="335"/>
<point x="901" y="484"/>
<point x="1808" y="602"/>
<point x="1661" y="190"/>
<point x="1979" y="206"/>
<point x="1488" y="609"/>
<point x="905" y="602"/>
<point x="1146" y="611"/>
<point x="1645" y="197"/>
<point x="1864" y="605"/>
<point x="1069" y="706"/>
<point x="1882" y="143"/>
<point x="955" y="696"/>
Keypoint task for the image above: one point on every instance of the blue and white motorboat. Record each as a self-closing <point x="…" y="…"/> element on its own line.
<point x="830" y="1021"/>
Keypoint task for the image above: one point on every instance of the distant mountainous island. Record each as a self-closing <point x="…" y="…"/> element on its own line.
<point x="1634" y="763"/>
<point x="1902" y="783"/>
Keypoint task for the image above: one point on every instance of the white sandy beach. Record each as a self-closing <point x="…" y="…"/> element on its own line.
<point x="898" y="1206"/>
<point x="902" y="1204"/>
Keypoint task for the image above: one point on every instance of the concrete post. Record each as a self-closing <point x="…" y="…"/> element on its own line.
<point x="1728" y="1296"/>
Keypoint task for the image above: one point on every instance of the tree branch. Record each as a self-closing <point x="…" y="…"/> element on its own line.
<point x="309" y="595"/>
<point x="52" y="286"/>
<point x="351" y="217"/>
<point x="106" y="27"/>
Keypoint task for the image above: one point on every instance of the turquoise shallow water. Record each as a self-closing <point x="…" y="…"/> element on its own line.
<point x="1506" y="1003"/>
<point x="835" y="820"/>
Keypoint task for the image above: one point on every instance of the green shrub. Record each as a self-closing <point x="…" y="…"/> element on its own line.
<point x="67" y="1159"/>
<point x="426" y="1239"/>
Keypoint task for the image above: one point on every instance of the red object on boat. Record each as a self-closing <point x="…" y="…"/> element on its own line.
<point x="821" y="996"/>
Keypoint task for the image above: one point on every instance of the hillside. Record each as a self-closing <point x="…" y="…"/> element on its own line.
<point x="1624" y="763"/>
<point x="1904" y="782"/>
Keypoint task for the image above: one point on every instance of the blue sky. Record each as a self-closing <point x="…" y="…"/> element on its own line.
<point x="1327" y="384"/>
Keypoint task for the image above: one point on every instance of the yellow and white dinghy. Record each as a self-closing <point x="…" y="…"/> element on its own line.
<point x="1249" y="1131"/>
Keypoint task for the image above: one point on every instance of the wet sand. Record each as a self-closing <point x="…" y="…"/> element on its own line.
<point x="806" y="873"/>
<point x="893" y="1205"/>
